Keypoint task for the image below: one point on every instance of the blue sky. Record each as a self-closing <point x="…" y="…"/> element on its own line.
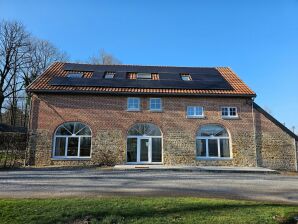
<point x="257" y="39"/>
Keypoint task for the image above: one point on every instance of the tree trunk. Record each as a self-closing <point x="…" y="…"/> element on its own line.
<point x="1" y="105"/>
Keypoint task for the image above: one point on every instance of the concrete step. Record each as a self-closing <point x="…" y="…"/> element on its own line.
<point x="216" y="169"/>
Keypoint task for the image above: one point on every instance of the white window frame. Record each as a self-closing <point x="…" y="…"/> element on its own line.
<point x="154" y="109"/>
<point x="218" y="148"/>
<point x="195" y="115"/>
<point x="65" y="157"/>
<point x="139" y="137"/>
<point x="229" y="112"/>
<point x="133" y="98"/>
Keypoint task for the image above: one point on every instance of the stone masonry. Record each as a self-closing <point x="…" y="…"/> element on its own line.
<point x="264" y="145"/>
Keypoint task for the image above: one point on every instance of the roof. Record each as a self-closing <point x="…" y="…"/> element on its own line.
<point x="167" y="80"/>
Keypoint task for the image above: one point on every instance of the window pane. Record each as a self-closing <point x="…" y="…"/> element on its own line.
<point x="84" y="131"/>
<point x="62" y="131"/>
<point x="201" y="147"/>
<point x="131" y="150"/>
<point x="156" y="149"/>
<point x="72" y="149"/>
<point x="225" y="111"/>
<point x="60" y="146"/>
<point x="190" y="111"/>
<point x="211" y="129"/>
<point x="78" y="127"/>
<point x="155" y="104"/>
<point x="85" y="146"/>
<point x="233" y="111"/>
<point x="133" y="103"/>
<point x="144" y="150"/>
<point x="199" y="111"/>
<point x="224" y="148"/>
<point x="213" y="148"/>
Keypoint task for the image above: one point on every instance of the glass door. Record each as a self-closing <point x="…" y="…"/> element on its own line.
<point x="144" y="149"/>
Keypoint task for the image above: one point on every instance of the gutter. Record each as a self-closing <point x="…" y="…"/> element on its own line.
<point x="70" y="92"/>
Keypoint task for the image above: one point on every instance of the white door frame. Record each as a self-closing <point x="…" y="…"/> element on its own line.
<point x="138" y="137"/>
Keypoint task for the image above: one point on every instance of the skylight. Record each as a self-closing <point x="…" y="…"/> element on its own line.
<point x="109" y="75"/>
<point x="144" y="76"/>
<point x="74" y="75"/>
<point x="185" y="77"/>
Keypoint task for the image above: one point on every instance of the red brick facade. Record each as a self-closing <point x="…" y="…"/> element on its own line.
<point x="264" y="144"/>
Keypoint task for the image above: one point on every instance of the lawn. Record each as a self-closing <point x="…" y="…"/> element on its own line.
<point x="143" y="210"/>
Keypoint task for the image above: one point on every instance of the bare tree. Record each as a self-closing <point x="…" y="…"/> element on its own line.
<point x="41" y="55"/>
<point x="14" y="47"/>
<point x="104" y="58"/>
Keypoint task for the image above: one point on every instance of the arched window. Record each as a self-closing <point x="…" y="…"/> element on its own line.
<point x="212" y="141"/>
<point x="72" y="140"/>
<point x="144" y="144"/>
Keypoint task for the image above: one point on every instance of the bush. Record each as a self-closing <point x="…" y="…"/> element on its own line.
<point x="12" y="149"/>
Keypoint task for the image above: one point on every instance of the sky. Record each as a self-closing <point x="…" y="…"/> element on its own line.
<point x="258" y="39"/>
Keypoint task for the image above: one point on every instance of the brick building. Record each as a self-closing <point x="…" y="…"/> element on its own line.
<point x="127" y="114"/>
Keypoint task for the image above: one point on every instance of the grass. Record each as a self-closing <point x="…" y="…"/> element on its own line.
<point x="143" y="210"/>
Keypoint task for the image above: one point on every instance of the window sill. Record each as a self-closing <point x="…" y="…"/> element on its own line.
<point x="195" y="117"/>
<point x="230" y="118"/>
<point x="214" y="158"/>
<point x="130" y="110"/>
<point x="156" y="111"/>
<point x="69" y="159"/>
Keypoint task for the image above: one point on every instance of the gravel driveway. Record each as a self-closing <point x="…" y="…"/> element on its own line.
<point x="94" y="182"/>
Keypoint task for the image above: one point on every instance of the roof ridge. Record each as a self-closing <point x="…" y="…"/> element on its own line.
<point x="139" y="65"/>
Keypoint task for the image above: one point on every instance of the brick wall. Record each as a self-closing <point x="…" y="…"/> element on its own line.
<point x="109" y="121"/>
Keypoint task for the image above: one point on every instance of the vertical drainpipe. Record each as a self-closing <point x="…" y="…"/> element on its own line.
<point x="254" y="129"/>
<point x="296" y="154"/>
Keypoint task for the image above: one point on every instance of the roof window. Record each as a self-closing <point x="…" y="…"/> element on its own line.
<point x="144" y="76"/>
<point x="74" y="75"/>
<point x="109" y="75"/>
<point x="186" y="77"/>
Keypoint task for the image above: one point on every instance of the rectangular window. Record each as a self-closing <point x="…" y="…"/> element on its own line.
<point x="156" y="150"/>
<point x="85" y="146"/>
<point x="212" y="148"/>
<point x="74" y="75"/>
<point x="201" y="147"/>
<point x="144" y="76"/>
<point x="155" y="104"/>
<point x="185" y="77"/>
<point x="60" y="146"/>
<point x="132" y="149"/>
<point x="133" y="104"/>
<point x="109" y="75"/>
<point x="72" y="146"/>
<point x="224" y="148"/>
<point x="195" y="112"/>
<point x="227" y="112"/>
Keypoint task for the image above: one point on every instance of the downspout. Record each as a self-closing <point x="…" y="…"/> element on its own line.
<point x="254" y="129"/>
<point x="296" y="154"/>
<point x="27" y="153"/>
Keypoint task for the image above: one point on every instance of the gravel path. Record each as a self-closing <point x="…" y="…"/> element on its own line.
<point x="39" y="183"/>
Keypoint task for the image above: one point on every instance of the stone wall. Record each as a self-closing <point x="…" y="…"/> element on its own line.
<point x="109" y="121"/>
<point x="275" y="148"/>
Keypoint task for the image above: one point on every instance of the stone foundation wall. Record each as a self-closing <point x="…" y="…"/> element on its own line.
<point x="109" y="121"/>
